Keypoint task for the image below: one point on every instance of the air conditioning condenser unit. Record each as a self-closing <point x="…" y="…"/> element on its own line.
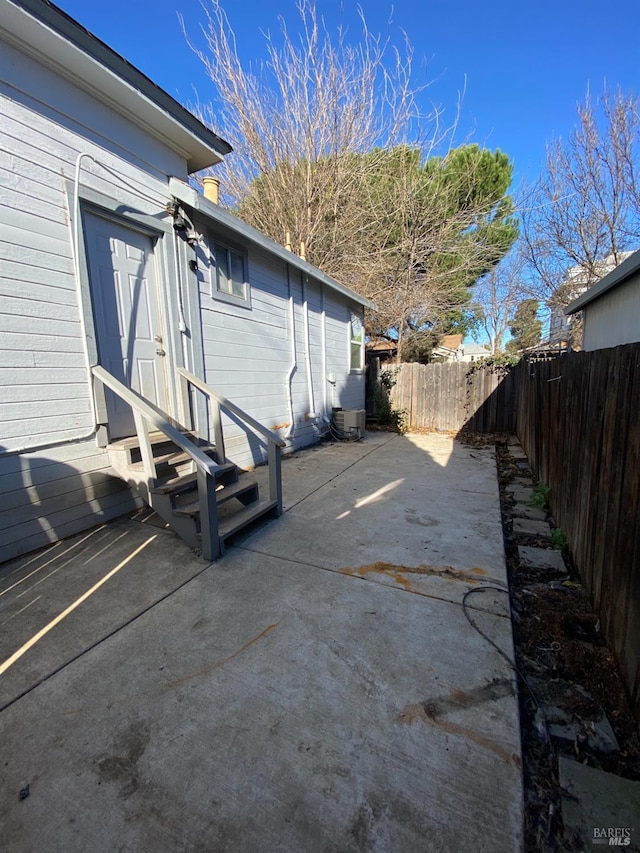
<point x="351" y="422"/>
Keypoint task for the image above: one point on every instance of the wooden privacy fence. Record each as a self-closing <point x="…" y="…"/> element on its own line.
<point x="578" y="419"/>
<point x="449" y="397"/>
<point x="579" y="424"/>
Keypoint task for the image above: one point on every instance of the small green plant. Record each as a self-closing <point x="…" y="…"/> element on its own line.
<point x="558" y="538"/>
<point x="541" y="495"/>
<point x="500" y="364"/>
<point x="387" y="416"/>
<point x="399" y="420"/>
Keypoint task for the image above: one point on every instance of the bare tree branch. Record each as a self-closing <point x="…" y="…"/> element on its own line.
<point x="331" y="153"/>
<point x="497" y="296"/>
<point x="584" y="212"/>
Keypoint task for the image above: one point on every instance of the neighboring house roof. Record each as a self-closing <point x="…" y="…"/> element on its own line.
<point x="579" y="276"/>
<point x="449" y="348"/>
<point x="45" y="32"/>
<point x="452" y="342"/>
<point x="193" y="199"/>
<point x="475" y="349"/>
<point x="382" y="346"/>
<point x="615" y="278"/>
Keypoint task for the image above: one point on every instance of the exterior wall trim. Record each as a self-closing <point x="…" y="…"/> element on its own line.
<point x="614" y="279"/>
<point x="58" y="41"/>
<point x="223" y="219"/>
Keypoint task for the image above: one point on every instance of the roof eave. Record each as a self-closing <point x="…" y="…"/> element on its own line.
<point x="615" y="278"/>
<point x="61" y="43"/>
<point x="196" y="201"/>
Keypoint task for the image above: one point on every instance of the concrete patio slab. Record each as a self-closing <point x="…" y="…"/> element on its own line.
<point x="275" y="701"/>
<point x="401" y="520"/>
<point x="37" y="588"/>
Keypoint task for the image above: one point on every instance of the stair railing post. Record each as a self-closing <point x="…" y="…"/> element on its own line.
<point x="209" y="538"/>
<point x="218" y="434"/>
<point x="146" y="451"/>
<point x="275" y="476"/>
<point x="185" y="401"/>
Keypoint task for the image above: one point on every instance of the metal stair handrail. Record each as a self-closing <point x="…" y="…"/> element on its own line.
<point x="150" y="414"/>
<point x="145" y="414"/>
<point x="274" y="442"/>
<point x="255" y="425"/>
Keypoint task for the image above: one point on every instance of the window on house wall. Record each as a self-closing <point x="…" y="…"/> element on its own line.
<point x="356" y="338"/>
<point x="229" y="281"/>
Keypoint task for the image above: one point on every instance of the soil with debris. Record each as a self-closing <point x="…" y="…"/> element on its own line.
<point x="567" y="674"/>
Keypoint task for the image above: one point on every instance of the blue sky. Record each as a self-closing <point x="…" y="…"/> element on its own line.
<point x="525" y="65"/>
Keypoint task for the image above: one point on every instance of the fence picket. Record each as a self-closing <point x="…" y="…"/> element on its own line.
<point x="450" y="397"/>
<point x="581" y="433"/>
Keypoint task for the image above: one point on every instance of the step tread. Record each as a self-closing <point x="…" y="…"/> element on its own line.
<point x="169" y="459"/>
<point x="156" y="437"/>
<point x="175" y="457"/>
<point x="185" y="481"/>
<point x="234" y="490"/>
<point x="236" y="522"/>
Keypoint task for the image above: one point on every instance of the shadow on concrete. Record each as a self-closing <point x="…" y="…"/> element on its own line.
<point x="320" y="688"/>
<point x="45" y="498"/>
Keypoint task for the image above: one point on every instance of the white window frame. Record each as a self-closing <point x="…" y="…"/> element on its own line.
<point x="215" y="246"/>
<point x="356" y="339"/>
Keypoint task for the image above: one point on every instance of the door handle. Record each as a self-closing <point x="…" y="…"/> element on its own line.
<point x="160" y="352"/>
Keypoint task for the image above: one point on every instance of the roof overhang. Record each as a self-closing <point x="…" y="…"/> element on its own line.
<point x="193" y="199"/>
<point x="615" y="278"/>
<point x="41" y="30"/>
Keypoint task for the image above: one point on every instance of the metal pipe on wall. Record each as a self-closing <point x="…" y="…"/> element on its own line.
<point x="307" y="348"/>
<point x="294" y="363"/>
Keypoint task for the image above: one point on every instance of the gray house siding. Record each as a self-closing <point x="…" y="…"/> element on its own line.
<point x="248" y="353"/>
<point x="611" y="306"/>
<point x="48" y="495"/>
<point x="614" y="318"/>
<point x="44" y="390"/>
<point x="54" y="478"/>
<point x="347" y="391"/>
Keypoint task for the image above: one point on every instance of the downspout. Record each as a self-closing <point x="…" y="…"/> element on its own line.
<point x="294" y="363"/>
<point x="182" y="325"/>
<point x="323" y="343"/>
<point x="76" y="262"/>
<point x="307" y="347"/>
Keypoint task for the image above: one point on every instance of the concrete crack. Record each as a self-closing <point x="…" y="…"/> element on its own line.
<point x="208" y="670"/>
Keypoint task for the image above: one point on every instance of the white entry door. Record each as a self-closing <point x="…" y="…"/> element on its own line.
<point x="126" y="311"/>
